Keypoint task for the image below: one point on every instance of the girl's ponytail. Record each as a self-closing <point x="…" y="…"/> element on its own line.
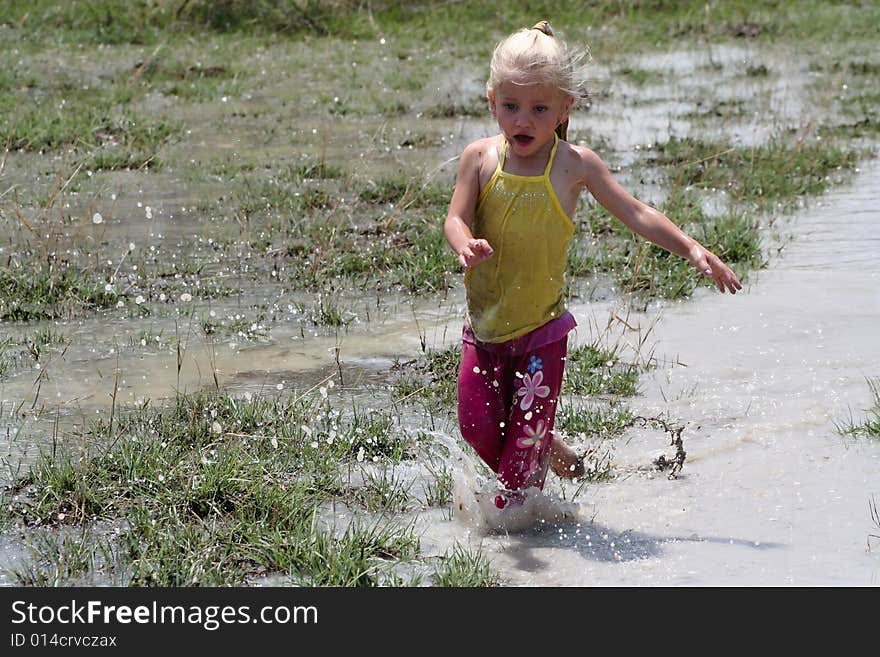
<point x="543" y="26"/>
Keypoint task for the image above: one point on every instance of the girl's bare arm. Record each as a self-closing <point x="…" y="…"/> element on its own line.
<point x="459" y="218"/>
<point x="650" y="223"/>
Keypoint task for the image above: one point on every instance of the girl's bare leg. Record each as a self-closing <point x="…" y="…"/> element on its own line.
<point x="564" y="461"/>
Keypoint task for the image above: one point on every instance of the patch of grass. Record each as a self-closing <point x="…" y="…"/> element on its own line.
<point x="31" y="293"/>
<point x="10" y="355"/>
<point x="58" y="112"/>
<point x="779" y="171"/>
<point x="190" y="81"/>
<point x="424" y="266"/>
<point x="216" y="488"/>
<point x="407" y="192"/>
<point x="719" y="109"/>
<point x="438" y="489"/>
<point x="239" y="326"/>
<point x="594" y="369"/>
<point x="859" y="111"/>
<point x="625" y="25"/>
<point x="326" y="311"/>
<point x="360" y="555"/>
<point x="461" y="567"/>
<point x="595" y="421"/>
<point x="383" y="490"/>
<point x="869" y="427"/>
<point x="404" y="250"/>
<point x="16" y="353"/>
<point x="652" y="271"/>
<point x="757" y="71"/>
<point x="373" y="434"/>
<point x="315" y="170"/>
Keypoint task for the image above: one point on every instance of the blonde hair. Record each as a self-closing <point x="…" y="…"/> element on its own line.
<point x="536" y="51"/>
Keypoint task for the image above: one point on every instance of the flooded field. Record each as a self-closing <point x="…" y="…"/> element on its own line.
<point x="229" y="272"/>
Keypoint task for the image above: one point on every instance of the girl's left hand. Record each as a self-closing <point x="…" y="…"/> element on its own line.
<point x="708" y="264"/>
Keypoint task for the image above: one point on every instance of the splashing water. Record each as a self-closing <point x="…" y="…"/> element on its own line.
<point x="473" y="498"/>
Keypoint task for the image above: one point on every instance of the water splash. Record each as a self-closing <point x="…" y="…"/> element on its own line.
<point x="473" y="498"/>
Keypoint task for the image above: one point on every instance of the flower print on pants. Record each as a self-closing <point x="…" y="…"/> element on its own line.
<point x="532" y="440"/>
<point x="532" y="388"/>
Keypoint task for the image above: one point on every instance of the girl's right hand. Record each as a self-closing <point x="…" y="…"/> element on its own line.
<point x="474" y="252"/>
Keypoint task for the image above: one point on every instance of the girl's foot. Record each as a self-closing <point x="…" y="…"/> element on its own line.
<point x="564" y="461"/>
<point x="509" y="498"/>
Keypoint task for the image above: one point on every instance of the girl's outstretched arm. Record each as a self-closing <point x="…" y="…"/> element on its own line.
<point x="459" y="219"/>
<point x="650" y="223"/>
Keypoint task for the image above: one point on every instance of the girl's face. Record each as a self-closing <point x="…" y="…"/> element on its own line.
<point x="528" y="113"/>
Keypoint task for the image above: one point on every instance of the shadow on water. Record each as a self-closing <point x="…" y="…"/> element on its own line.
<point x="596" y="542"/>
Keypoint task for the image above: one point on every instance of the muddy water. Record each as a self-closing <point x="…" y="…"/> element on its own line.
<point x="771" y="493"/>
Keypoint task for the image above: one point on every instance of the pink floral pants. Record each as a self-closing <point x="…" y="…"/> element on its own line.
<point x="507" y="409"/>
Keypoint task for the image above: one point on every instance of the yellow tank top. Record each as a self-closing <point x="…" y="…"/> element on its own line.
<point x="520" y="288"/>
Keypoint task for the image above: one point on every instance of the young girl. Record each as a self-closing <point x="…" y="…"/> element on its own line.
<point x="509" y="222"/>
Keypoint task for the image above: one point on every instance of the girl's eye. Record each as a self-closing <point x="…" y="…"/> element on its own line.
<point x="509" y="106"/>
<point x="541" y="108"/>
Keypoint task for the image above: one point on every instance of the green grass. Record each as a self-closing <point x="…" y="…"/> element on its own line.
<point x="218" y="488"/>
<point x="239" y="326"/>
<point x="658" y="23"/>
<point x="869" y="426"/>
<point x="594" y="421"/>
<point x="438" y="488"/>
<point x="595" y="369"/>
<point x="780" y="171"/>
<point x="30" y="293"/>
<point x="106" y="135"/>
<point x="461" y="567"/>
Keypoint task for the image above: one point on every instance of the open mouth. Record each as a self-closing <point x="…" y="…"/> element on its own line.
<point x="523" y="140"/>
